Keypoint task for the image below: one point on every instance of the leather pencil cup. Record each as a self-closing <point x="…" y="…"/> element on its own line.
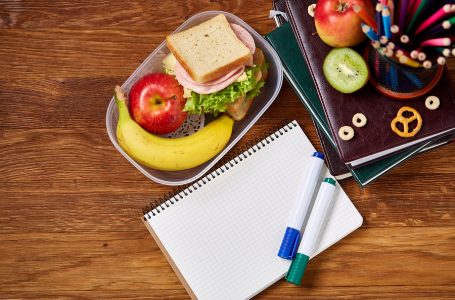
<point x="400" y="79"/>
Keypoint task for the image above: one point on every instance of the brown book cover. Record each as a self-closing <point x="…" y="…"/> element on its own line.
<point x="376" y="139"/>
<point x="332" y="159"/>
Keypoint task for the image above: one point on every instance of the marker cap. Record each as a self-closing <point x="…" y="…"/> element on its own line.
<point x="297" y="269"/>
<point x="318" y="155"/>
<point x="330" y="180"/>
<point x="289" y="244"/>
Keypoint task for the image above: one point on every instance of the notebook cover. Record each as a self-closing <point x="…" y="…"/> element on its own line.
<point x="216" y="260"/>
<point x="339" y="108"/>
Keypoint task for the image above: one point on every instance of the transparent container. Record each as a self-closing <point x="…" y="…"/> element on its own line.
<point x="260" y="104"/>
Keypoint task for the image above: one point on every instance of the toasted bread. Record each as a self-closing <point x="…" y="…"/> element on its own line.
<point x="209" y="50"/>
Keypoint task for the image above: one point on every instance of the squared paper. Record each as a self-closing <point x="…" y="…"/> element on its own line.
<point x="223" y="238"/>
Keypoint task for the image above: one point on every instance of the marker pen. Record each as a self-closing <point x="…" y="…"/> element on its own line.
<point x="291" y="237"/>
<point x="312" y="231"/>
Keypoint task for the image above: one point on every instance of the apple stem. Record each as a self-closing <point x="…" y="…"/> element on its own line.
<point x="342" y="6"/>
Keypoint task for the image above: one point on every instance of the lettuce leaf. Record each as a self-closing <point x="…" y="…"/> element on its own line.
<point x="256" y="90"/>
<point x="217" y="102"/>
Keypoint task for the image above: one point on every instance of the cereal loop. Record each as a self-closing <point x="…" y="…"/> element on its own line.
<point x="405" y="121"/>
<point x="359" y="120"/>
<point x="311" y="9"/>
<point x="346" y="133"/>
<point x="432" y="102"/>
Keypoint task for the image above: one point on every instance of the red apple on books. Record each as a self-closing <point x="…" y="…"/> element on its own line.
<point x="156" y="103"/>
<point x="337" y="24"/>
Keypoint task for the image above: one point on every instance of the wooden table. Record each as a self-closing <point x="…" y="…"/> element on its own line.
<point x="70" y="203"/>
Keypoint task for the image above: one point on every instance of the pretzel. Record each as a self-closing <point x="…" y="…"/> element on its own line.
<point x="405" y="121"/>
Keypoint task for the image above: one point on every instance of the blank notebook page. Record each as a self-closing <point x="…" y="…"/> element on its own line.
<point x="223" y="237"/>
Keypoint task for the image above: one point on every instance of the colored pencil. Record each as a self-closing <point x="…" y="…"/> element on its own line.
<point x="420" y="9"/>
<point x="444" y="51"/>
<point x="437" y="42"/>
<point x="393" y="77"/>
<point x="376" y="65"/>
<point x="441" y="60"/>
<point x="409" y="62"/>
<point x="402" y="16"/>
<point x="388" y="52"/>
<point x="386" y="22"/>
<point x="439" y="14"/>
<point x="391" y="7"/>
<point x="422" y="56"/>
<point x="369" y="32"/>
<point x="406" y="60"/>
<point x="376" y="44"/>
<point x="427" y="64"/>
<point x="404" y="39"/>
<point x="378" y="18"/>
<point x="414" y="79"/>
<point x="437" y="29"/>
<point x="366" y="18"/>
<point x="394" y="28"/>
<point x="418" y="33"/>
<point x="412" y="8"/>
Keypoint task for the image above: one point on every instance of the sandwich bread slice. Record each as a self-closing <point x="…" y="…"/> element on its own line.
<point x="209" y="50"/>
<point x="222" y="48"/>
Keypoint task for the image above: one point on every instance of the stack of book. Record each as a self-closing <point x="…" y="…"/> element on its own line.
<point x="376" y="149"/>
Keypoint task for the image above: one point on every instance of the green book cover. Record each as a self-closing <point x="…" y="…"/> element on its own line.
<point x="298" y="76"/>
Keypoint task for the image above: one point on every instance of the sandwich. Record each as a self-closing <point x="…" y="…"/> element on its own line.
<point x="218" y="65"/>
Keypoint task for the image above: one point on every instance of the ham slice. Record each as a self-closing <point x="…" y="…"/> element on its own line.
<point x="244" y="36"/>
<point x="208" y="87"/>
<point x="222" y="82"/>
<point x="212" y="82"/>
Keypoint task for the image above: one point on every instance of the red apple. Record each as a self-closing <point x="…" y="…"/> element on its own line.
<point x="156" y="103"/>
<point x="337" y="24"/>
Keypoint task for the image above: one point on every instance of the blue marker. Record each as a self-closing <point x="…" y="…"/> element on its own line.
<point x="292" y="235"/>
<point x="313" y="230"/>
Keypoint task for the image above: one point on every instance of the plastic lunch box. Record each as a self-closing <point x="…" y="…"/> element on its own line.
<point x="260" y="104"/>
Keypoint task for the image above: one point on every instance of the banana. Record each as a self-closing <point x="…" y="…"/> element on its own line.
<point x="170" y="154"/>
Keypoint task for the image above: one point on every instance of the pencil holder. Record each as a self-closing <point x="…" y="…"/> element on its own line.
<point x="399" y="81"/>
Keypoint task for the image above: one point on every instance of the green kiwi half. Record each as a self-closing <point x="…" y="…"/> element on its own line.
<point x="345" y="70"/>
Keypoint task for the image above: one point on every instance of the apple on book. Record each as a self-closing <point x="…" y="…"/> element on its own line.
<point x="337" y="24"/>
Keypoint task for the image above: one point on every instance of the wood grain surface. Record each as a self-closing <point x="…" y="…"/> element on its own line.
<point x="70" y="203"/>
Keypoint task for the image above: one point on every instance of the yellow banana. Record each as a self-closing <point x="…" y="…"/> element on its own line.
<point x="165" y="153"/>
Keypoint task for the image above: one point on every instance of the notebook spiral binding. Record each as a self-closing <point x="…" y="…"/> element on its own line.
<point x="229" y="161"/>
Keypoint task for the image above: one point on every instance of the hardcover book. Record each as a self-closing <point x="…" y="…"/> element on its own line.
<point x="375" y="140"/>
<point x="297" y="74"/>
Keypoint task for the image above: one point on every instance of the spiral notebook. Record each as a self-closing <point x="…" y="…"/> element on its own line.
<point x="221" y="234"/>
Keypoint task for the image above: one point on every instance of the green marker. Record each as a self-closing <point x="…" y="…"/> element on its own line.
<point x="312" y="231"/>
